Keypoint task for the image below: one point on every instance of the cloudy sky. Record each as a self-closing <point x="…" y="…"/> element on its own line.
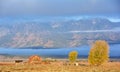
<point x="29" y="8"/>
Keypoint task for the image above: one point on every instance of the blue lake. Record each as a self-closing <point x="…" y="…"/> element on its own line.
<point x="83" y="52"/>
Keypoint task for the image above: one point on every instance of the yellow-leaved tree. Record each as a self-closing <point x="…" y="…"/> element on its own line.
<point x="99" y="53"/>
<point x="73" y="56"/>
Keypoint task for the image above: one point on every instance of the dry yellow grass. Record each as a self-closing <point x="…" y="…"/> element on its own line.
<point x="57" y="67"/>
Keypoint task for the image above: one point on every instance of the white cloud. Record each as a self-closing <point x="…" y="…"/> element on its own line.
<point x="91" y="31"/>
<point x="114" y="19"/>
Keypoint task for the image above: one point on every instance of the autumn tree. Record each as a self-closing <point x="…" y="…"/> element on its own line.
<point x="73" y="56"/>
<point x="99" y="53"/>
<point x="34" y="59"/>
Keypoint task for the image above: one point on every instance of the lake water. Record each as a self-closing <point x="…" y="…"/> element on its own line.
<point x="83" y="52"/>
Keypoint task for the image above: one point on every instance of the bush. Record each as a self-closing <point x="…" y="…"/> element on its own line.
<point x="34" y="59"/>
<point x="73" y="56"/>
<point x="99" y="53"/>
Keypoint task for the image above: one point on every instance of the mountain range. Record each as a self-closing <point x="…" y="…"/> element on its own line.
<point x="57" y="34"/>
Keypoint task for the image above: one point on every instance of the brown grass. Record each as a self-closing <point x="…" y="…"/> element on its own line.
<point x="59" y="67"/>
<point x="6" y="63"/>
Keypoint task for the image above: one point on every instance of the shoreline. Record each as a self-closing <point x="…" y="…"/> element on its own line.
<point x="55" y="59"/>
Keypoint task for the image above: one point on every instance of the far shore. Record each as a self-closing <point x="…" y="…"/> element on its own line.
<point x="56" y="59"/>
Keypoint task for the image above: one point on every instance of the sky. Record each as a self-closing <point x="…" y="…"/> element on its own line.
<point x="43" y="8"/>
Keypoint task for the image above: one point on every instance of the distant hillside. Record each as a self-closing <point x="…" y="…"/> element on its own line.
<point x="52" y="34"/>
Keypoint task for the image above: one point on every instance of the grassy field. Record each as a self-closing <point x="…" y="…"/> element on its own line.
<point x="58" y="67"/>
